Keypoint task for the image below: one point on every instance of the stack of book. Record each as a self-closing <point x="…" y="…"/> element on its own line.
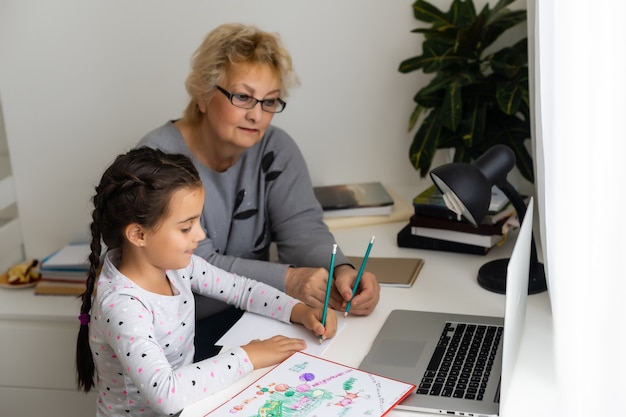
<point x="64" y="272"/>
<point x="434" y="226"/>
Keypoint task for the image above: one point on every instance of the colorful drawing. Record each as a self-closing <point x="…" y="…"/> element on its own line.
<point x="307" y="386"/>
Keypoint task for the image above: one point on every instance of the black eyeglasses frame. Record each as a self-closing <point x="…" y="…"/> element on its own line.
<point x="230" y="95"/>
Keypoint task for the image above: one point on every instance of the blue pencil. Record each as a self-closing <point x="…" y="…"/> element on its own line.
<point x="331" y="269"/>
<point x="358" y="277"/>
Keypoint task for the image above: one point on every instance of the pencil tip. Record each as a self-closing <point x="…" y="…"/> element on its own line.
<point x="345" y="314"/>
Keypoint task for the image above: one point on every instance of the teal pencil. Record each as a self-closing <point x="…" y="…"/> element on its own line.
<point x="331" y="270"/>
<point x="358" y="277"/>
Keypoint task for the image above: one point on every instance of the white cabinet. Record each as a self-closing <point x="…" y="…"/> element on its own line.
<point x="37" y="368"/>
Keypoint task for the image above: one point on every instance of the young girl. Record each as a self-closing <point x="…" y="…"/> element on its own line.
<point x="137" y="331"/>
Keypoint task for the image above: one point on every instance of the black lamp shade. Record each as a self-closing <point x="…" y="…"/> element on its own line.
<point x="467" y="188"/>
<point x="472" y="183"/>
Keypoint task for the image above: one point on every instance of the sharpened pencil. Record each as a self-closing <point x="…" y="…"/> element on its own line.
<point x="329" y="283"/>
<point x="358" y="277"/>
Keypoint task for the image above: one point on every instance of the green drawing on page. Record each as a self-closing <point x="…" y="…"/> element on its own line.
<point x="299" y="367"/>
<point x="271" y="409"/>
<point x="314" y="387"/>
<point x="299" y="401"/>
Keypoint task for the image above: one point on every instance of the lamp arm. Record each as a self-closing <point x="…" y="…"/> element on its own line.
<point x="520" y="208"/>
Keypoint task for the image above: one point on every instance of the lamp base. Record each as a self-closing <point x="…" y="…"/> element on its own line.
<point x="492" y="277"/>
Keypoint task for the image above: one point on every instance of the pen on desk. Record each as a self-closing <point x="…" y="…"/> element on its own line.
<point x="358" y="277"/>
<point x="331" y="270"/>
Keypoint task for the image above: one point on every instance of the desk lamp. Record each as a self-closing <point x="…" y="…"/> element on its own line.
<point x="466" y="190"/>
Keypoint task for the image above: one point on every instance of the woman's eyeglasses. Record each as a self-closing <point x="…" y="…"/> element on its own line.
<point x="245" y="101"/>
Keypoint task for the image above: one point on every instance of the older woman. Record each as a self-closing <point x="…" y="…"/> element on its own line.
<point x="258" y="189"/>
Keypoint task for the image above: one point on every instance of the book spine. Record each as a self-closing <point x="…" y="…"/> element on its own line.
<point x="456" y="225"/>
<point x="69" y="280"/>
<point x="406" y="239"/>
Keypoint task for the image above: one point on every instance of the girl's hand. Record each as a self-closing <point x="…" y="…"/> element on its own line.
<point x="311" y="318"/>
<point x="263" y="353"/>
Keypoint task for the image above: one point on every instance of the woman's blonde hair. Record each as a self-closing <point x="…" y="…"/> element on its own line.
<point x="229" y="44"/>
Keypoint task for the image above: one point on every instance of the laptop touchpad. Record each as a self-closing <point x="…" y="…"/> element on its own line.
<point x="393" y="352"/>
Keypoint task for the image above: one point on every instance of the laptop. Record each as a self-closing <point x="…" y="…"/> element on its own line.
<point x="418" y="347"/>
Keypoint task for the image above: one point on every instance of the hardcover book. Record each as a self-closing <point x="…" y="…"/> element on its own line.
<point x="359" y="199"/>
<point x="46" y="287"/>
<point x="405" y="239"/>
<point x="71" y="257"/>
<point x="430" y="203"/>
<point x="459" y="225"/>
<point x="306" y="385"/>
<point x="456" y="236"/>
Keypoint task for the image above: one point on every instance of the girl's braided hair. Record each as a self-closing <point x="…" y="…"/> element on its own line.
<point x="135" y="188"/>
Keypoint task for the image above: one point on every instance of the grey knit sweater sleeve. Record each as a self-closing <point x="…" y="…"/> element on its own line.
<point x="265" y="197"/>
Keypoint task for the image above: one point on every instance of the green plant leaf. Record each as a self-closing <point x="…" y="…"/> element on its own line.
<point x="470" y="43"/>
<point x="432" y="95"/>
<point x="426" y="12"/>
<point x="508" y="96"/>
<point x="452" y="106"/>
<point x="513" y="132"/>
<point x="424" y="143"/>
<point x="473" y="101"/>
<point x="500" y="6"/>
<point x="501" y="24"/>
<point x="508" y="62"/>
<point x="433" y="58"/>
<point x="448" y="139"/>
<point x="472" y="128"/>
<point x="462" y="13"/>
<point x="415" y="115"/>
<point x="462" y="154"/>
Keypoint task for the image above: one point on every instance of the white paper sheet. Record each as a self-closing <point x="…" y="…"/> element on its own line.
<point x="253" y="326"/>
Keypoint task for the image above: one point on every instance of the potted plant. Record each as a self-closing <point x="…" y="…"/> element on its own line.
<point x="477" y="98"/>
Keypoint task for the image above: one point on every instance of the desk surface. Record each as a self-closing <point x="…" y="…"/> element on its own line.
<point x="446" y="283"/>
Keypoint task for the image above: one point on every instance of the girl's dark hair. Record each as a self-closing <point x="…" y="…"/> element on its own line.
<point x="136" y="188"/>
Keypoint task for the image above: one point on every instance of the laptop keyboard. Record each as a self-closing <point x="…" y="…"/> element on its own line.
<point x="461" y="364"/>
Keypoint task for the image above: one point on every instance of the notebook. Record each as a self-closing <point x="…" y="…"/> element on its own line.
<point x="409" y="345"/>
<point x="391" y="272"/>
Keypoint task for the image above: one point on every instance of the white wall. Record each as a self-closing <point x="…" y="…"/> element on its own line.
<point x="81" y="81"/>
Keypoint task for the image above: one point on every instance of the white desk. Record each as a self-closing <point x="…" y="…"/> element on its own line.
<point x="38" y="333"/>
<point x="446" y="283"/>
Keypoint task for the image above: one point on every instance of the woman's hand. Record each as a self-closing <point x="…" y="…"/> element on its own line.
<point x="311" y="318"/>
<point x="309" y="286"/>
<point x="263" y="353"/>
<point x="367" y="294"/>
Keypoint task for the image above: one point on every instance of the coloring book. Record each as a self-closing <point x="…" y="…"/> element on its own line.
<point x="306" y="385"/>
